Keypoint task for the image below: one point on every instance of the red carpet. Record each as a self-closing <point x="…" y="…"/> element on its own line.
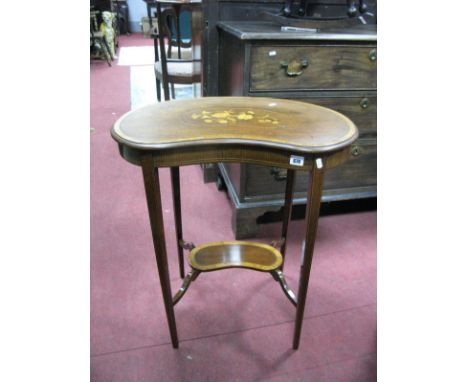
<point x="234" y="325"/>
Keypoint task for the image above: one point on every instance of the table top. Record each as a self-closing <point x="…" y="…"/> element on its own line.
<point x="180" y="1"/>
<point x="266" y="30"/>
<point x="235" y="121"/>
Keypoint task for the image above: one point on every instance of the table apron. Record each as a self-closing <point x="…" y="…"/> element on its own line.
<point x="247" y="154"/>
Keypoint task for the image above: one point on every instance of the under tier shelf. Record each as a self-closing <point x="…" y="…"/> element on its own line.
<point x="235" y="254"/>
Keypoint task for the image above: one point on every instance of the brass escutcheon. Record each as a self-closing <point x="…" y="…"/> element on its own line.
<point x="356" y="150"/>
<point x="364" y="103"/>
<point x="278" y="173"/>
<point x="294" y="67"/>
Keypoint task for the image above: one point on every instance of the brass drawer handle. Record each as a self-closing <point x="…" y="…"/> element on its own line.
<point x="364" y="103"/>
<point x="294" y="67"/>
<point x="356" y="150"/>
<point x="279" y="173"/>
<point x="373" y="54"/>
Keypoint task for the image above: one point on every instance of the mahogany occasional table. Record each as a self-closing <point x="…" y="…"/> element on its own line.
<point x="263" y="131"/>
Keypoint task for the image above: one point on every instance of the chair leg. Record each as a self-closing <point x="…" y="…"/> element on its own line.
<point x="158" y="90"/>
<point x="107" y="51"/>
<point x="173" y="90"/>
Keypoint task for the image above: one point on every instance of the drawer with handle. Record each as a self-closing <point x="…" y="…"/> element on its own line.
<point x="328" y="67"/>
<point x="359" y="171"/>
<point x="361" y="110"/>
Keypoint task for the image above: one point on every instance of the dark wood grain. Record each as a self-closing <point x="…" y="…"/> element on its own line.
<point x="288" y="194"/>
<point x="313" y="210"/>
<point x="362" y="110"/>
<point x="175" y="180"/>
<point x="329" y="68"/>
<point x="261" y="122"/>
<point x="154" y="136"/>
<point x="228" y="152"/>
<point x="359" y="169"/>
<point x="153" y="199"/>
<point x="342" y="79"/>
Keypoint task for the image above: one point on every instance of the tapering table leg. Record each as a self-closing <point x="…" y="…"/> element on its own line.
<point x="313" y="209"/>
<point x="287" y="211"/>
<point x="153" y="199"/>
<point x="175" y="179"/>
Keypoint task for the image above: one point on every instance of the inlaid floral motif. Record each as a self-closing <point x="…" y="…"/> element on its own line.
<point x="230" y="116"/>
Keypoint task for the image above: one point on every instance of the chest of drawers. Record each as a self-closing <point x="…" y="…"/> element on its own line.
<point x="335" y="69"/>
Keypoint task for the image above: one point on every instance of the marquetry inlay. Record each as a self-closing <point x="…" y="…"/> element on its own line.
<point x="232" y="116"/>
<point x="268" y="122"/>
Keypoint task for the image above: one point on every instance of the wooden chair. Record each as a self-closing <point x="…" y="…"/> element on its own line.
<point x="172" y="67"/>
<point x="97" y="39"/>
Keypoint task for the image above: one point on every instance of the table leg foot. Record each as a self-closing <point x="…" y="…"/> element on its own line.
<point x="191" y="276"/>
<point x="279" y="276"/>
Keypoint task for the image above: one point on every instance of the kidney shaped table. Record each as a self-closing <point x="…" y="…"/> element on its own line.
<point x="263" y="131"/>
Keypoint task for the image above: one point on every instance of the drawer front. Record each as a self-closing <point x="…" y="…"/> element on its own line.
<point x="361" y="110"/>
<point x="359" y="171"/>
<point x="279" y="68"/>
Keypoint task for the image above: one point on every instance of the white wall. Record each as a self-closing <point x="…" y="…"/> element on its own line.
<point x="136" y="10"/>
